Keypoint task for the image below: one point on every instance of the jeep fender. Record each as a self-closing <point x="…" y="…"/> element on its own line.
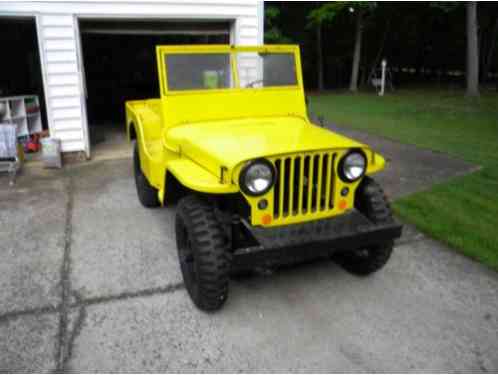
<point x="196" y="178"/>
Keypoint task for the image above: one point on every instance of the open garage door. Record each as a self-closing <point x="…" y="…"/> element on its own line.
<point x="120" y="64"/>
<point x="22" y="99"/>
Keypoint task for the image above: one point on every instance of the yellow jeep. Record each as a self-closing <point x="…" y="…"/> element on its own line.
<point x="256" y="182"/>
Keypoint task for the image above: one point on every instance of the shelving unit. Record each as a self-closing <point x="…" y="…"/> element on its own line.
<point x="24" y="111"/>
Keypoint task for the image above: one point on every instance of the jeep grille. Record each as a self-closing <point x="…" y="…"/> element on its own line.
<point x="304" y="185"/>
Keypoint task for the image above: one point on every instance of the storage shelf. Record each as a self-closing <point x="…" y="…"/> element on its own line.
<point x="24" y="111"/>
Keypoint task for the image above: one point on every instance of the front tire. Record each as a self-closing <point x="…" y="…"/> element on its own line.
<point x="371" y="202"/>
<point x="203" y="251"/>
<point x="147" y="194"/>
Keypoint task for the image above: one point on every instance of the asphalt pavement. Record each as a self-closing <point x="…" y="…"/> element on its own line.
<point x="89" y="281"/>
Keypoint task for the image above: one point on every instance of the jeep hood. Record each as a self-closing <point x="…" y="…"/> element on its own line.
<point x="228" y="143"/>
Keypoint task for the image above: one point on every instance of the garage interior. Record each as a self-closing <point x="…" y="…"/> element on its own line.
<point x="120" y="64"/>
<point x="20" y="75"/>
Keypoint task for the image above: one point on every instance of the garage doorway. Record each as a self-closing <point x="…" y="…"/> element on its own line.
<point x="120" y="64"/>
<point x="22" y="99"/>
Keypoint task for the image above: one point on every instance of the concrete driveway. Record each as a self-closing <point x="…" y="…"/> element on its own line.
<point x="89" y="281"/>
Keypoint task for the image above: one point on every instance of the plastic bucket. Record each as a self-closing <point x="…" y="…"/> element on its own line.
<point x="51" y="152"/>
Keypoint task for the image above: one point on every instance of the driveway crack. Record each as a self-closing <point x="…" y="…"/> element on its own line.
<point x="65" y="283"/>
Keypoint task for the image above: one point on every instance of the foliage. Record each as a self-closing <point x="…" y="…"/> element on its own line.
<point x="464" y="211"/>
<point x="425" y="41"/>
<point x="273" y="33"/>
<point x="445" y="6"/>
<point x="326" y="12"/>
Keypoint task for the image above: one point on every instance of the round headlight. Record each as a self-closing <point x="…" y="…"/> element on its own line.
<point x="257" y="177"/>
<point x="353" y="166"/>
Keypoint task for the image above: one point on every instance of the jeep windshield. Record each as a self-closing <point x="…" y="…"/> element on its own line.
<point x="208" y="71"/>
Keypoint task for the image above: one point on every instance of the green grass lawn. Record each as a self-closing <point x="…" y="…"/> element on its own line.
<point x="462" y="212"/>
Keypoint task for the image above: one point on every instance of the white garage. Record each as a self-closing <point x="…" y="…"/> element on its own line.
<point x="94" y="55"/>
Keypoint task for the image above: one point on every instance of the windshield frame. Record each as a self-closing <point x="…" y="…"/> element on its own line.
<point x="163" y="51"/>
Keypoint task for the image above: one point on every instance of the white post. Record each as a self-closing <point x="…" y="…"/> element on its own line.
<point x="383" y="78"/>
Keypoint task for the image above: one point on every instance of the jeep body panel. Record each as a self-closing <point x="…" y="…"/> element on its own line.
<point x="256" y="182"/>
<point x="212" y="143"/>
<point x="203" y="138"/>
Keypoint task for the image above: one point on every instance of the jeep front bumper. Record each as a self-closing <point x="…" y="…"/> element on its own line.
<point x="314" y="239"/>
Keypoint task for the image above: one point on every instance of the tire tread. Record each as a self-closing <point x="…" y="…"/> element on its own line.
<point x="372" y="202"/>
<point x="147" y="194"/>
<point x="211" y="249"/>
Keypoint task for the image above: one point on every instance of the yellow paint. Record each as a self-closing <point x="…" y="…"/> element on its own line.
<point x="195" y="134"/>
<point x="20" y="152"/>
<point x="333" y="186"/>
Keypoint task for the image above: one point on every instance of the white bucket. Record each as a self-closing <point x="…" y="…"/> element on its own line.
<point x="51" y="152"/>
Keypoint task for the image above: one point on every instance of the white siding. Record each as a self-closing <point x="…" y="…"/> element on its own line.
<point x="247" y="29"/>
<point x="57" y="34"/>
<point x="195" y="9"/>
<point x="63" y="91"/>
<point x="65" y="102"/>
<point x="58" y="44"/>
<point x="62" y="67"/>
<point x="58" y="56"/>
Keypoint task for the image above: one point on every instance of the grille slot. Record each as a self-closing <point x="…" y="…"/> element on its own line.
<point x="304" y="184"/>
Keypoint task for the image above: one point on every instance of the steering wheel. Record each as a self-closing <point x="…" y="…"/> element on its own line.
<point x="252" y="83"/>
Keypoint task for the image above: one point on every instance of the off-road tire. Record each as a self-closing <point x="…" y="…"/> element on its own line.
<point x="371" y="202"/>
<point x="147" y="194"/>
<point x="203" y="252"/>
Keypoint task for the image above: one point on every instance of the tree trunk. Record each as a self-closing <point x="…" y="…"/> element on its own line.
<point x="378" y="57"/>
<point x="357" y="52"/>
<point x="489" y="56"/>
<point x="319" y="57"/>
<point x="472" y="50"/>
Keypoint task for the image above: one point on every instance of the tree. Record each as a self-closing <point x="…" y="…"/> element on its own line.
<point x="328" y="11"/>
<point x="353" y="85"/>
<point x="319" y="16"/>
<point x="488" y="58"/>
<point x="273" y="34"/>
<point x="422" y="41"/>
<point x="319" y="57"/>
<point x="376" y="61"/>
<point x="488" y="37"/>
<point x="472" y="50"/>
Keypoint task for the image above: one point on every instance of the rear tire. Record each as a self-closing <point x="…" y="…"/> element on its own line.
<point x="203" y="252"/>
<point x="370" y="201"/>
<point x="147" y="194"/>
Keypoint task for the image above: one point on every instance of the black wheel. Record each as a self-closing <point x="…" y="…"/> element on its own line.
<point x="203" y="251"/>
<point x="371" y="201"/>
<point x="147" y="194"/>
